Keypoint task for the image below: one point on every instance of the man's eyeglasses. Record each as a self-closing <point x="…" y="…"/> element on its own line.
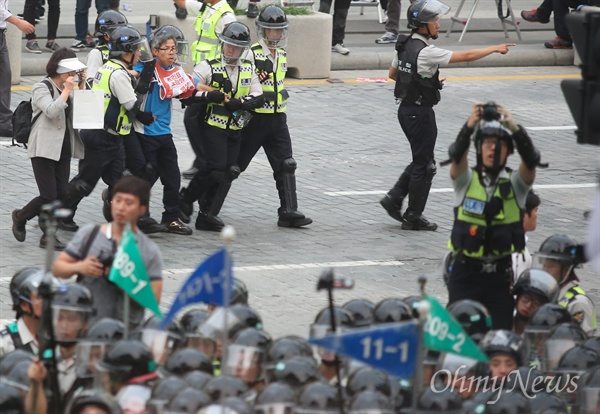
<point x="168" y="49"/>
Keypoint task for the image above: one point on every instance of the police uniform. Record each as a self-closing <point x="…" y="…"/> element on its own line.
<point x="580" y="306"/>
<point x="488" y="228"/>
<point x="209" y="24"/>
<point x="16" y="335"/>
<point x="418" y="88"/>
<point x="105" y="146"/>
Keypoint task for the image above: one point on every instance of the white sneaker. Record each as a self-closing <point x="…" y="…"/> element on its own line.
<point x="340" y="48"/>
<point x="77" y="46"/>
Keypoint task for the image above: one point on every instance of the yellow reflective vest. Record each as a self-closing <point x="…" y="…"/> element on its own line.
<point x="273" y="88"/>
<point x="115" y="117"/>
<point x="206" y="46"/>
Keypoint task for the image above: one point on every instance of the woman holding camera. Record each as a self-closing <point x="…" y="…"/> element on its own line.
<point x="52" y="140"/>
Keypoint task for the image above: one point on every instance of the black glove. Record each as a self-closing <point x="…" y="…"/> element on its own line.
<point x="461" y="145"/>
<point x="145" y="78"/>
<point x="145" y="118"/>
<point x="234" y="104"/>
<point x="529" y="153"/>
<point x="180" y="13"/>
<point x="189" y="101"/>
<point x="215" y="96"/>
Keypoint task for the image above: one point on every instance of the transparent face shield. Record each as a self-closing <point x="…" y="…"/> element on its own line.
<point x="275" y="408"/>
<point x="215" y="325"/>
<point x="87" y="356"/>
<point x="557" y="266"/>
<point x="161" y="343"/>
<point x="201" y="343"/>
<point x="143" y="51"/>
<point x="554" y="349"/>
<point x="244" y="362"/>
<point x="433" y="7"/>
<point x="232" y="54"/>
<point x="183" y="51"/>
<point x="274" y="37"/>
<point x="536" y="339"/>
<point x="589" y="400"/>
<point x="320" y="331"/>
<point x="69" y="324"/>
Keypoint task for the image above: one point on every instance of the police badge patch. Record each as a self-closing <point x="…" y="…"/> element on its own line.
<point x="246" y="82"/>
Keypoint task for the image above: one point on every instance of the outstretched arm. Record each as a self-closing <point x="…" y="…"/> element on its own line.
<point x="476" y="54"/>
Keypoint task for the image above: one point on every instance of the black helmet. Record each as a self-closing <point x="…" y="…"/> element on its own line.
<point x="13" y="358"/>
<point x="548" y="316"/>
<point x="245" y="356"/>
<point x="98" y="340"/>
<point x="167" y="388"/>
<point x="237" y="36"/>
<point x="224" y="386"/>
<point x="361" y="310"/>
<point x="413" y="304"/>
<point x="186" y="360"/>
<point x="562" y="249"/>
<point x="542" y="402"/>
<point x="17" y="377"/>
<point x="272" y="17"/>
<point x="248" y="317"/>
<point x="191" y="323"/>
<point x="588" y="392"/>
<point x="506" y="342"/>
<point x="287" y="347"/>
<point x="192" y="320"/>
<point x="577" y="360"/>
<point x="539" y="282"/>
<point x="71" y="301"/>
<point x="525" y="379"/>
<point x="239" y="294"/>
<point x="162" y="342"/>
<point x="472" y="316"/>
<point x="560" y="339"/>
<point x="126" y="360"/>
<point x="392" y="310"/>
<point x="367" y="378"/>
<point x="318" y="397"/>
<point x="189" y="400"/>
<point x="197" y="379"/>
<point x="508" y="403"/>
<point x="253" y="337"/>
<point x="126" y="39"/>
<point x="277" y="397"/>
<point x="237" y="405"/>
<point x="296" y="372"/>
<point x="106" y="330"/>
<point x="322" y="325"/>
<point x="90" y="398"/>
<point x="370" y="402"/>
<point x="25" y="282"/>
<point x="421" y="11"/>
<point x="592" y="343"/>
<point x="108" y="21"/>
<point x="401" y="394"/>
<point x="11" y="401"/>
<point x="433" y="400"/>
<point x="164" y="33"/>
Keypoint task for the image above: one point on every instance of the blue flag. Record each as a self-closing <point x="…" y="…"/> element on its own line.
<point x="389" y="347"/>
<point x="205" y="285"/>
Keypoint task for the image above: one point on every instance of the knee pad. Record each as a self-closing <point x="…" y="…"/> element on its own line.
<point x="430" y="171"/>
<point x="289" y="166"/>
<point x="79" y="189"/>
<point x="233" y="172"/>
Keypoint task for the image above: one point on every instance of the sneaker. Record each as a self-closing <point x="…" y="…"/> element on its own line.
<point x="177" y="227"/>
<point x="559" y="43"/>
<point x="33" y="47"/>
<point x="252" y="10"/>
<point x="340" y="48"/>
<point x="534" y="16"/>
<point x="388" y="37"/>
<point x="52" y="46"/>
<point x="78" y="46"/>
<point x="18" y="227"/>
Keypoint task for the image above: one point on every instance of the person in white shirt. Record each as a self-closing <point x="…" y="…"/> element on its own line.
<point x="522" y="261"/>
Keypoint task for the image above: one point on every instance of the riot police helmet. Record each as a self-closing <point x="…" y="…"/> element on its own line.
<point x="275" y="398"/>
<point x="223" y="386"/>
<point x="361" y="311"/>
<point x="559" y="255"/>
<point x="295" y="372"/>
<point x="126" y="39"/>
<point x="413" y="304"/>
<point x="234" y="43"/>
<point x="248" y="317"/>
<point x="472" y="316"/>
<point x="188" y="400"/>
<point x="245" y="356"/>
<point x="543" y="402"/>
<point x="101" y="335"/>
<point x="90" y="398"/>
<point x="322" y="325"/>
<point x="239" y="293"/>
<point x="167" y="388"/>
<point x="508" y="403"/>
<point x="538" y="282"/>
<point x="187" y="360"/>
<point x="391" y="310"/>
<point x="192" y="320"/>
<point x="506" y="342"/>
<point x="108" y="21"/>
<point x="368" y="378"/>
<point x="285" y="348"/>
<point x="127" y="359"/>
<point x="446" y="266"/>
<point x="72" y="308"/>
<point x="197" y="379"/>
<point x="588" y="392"/>
<point x="433" y="400"/>
<point x="272" y="26"/>
<point x="163" y="342"/>
<point x="421" y="12"/>
<point x="13" y="358"/>
<point x="548" y="316"/>
<point x="166" y="32"/>
<point x="11" y="400"/>
<point x="237" y="405"/>
<point x="372" y="402"/>
<point x="191" y="324"/>
<point x="560" y="339"/>
<point x="577" y="360"/>
<point x="17" y="377"/>
<point x="23" y="284"/>
<point x="317" y="397"/>
<point x="592" y="343"/>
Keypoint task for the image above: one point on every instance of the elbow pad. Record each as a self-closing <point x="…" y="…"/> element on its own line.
<point x="461" y="145"/>
<point x="253" y="102"/>
<point x="132" y="113"/>
<point x="529" y="153"/>
<point x="143" y="85"/>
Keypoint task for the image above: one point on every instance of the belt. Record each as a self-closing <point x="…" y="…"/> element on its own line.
<point x="488" y="266"/>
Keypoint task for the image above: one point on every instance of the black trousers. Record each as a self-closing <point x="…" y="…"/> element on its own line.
<point x="161" y="153"/>
<point x="269" y="131"/>
<point x="560" y="9"/>
<point x="193" y="119"/>
<point x="135" y="161"/>
<point x="30" y="13"/>
<point x="340" y="14"/>
<point x="52" y="178"/>
<point x="419" y="125"/>
<point x="492" y="290"/>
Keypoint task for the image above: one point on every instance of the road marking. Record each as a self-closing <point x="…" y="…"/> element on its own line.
<point x="450" y="190"/>
<point x="553" y="128"/>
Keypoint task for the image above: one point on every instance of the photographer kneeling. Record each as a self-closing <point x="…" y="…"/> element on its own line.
<point x="488" y="209"/>
<point x="90" y="253"/>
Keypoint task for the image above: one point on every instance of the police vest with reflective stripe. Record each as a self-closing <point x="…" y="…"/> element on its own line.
<point x="216" y="113"/>
<point x="104" y="51"/>
<point x="115" y="117"/>
<point x="570" y="294"/>
<point x="205" y="47"/>
<point x="488" y="228"/>
<point x="273" y="88"/>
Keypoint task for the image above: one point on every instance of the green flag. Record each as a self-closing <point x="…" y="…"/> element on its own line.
<point x="442" y="333"/>
<point x="129" y="273"/>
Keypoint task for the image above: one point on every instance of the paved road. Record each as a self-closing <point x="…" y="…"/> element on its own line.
<point x="350" y="150"/>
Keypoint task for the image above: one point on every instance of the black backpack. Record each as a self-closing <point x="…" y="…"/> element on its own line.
<point x="22" y="119"/>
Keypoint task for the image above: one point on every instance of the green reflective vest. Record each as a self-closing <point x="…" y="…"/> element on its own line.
<point x="273" y="88"/>
<point x="105" y="52"/>
<point x="216" y="113"/>
<point x="485" y="227"/>
<point x="568" y="298"/>
<point x="115" y="117"/>
<point x="205" y="47"/>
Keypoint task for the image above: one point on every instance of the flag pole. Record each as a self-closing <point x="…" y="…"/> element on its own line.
<point x="126" y="303"/>
<point x="228" y="235"/>
<point x="423" y="312"/>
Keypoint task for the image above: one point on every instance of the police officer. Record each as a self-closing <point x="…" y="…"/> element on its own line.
<point x="268" y="127"/>
<point x="212" y="17"/>
<point x="533" y="289"/>
<point x="559" y="255"/>
<point x="21" y="334"/>
<point x="415" y="69"/>
<point x="231" y="86"/>
<point x="488" y="213"/>
<point x="106" y="23"/>
<point x="105" y="146"/>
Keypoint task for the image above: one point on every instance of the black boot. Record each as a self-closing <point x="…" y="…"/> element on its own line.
<point x="212" y="201"/>
<point x="186" y="204"/>
<point x="288" y="213"/>
<point x="417" y="198"/>
<point x="189" y="173"/>
<point x="18" y="226"/>
<point x="106" y="207"/>
<point x="209" y="223"/>
<point x="392" y="202"/>
<point x="148" y="225"/>
<point x="58" y="245"/>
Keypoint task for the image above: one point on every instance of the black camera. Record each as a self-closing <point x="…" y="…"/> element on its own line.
<point x="106" y="258"/>
<point x="489" y="112"/>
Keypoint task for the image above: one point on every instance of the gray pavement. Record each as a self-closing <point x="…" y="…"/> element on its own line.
<point x="361" y="32"/>
<point x="350" y="150"/>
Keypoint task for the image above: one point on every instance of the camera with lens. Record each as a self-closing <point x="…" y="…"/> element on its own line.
<point x="489" y="112"/>
<point x="106" y="258"/>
